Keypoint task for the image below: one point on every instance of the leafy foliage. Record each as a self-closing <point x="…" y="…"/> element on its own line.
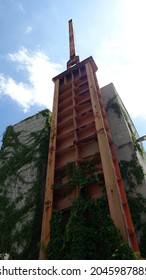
<point x="133" y="175"/>
<point x="86" y="231"/>
<point x="132" y="172"/>
<point x="81" y="176"/>
<point x="20" y="222"/>
<point x="114" y="105"/>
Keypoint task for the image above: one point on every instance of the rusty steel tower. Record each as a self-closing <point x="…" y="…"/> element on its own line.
<point x="80" y="130"/>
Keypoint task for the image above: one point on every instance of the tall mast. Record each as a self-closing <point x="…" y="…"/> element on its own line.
<point x="79" y="132"/>
<point x="74" y="59"/>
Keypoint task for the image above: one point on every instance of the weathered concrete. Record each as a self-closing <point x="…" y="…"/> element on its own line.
<point x="23" y="163"/>
<point x="23" y="178"/>
<point x="122" y="129"/>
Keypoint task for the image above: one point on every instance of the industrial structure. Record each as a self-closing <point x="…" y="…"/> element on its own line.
<point x="79" y="132"/>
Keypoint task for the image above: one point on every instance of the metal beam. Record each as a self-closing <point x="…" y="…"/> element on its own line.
<point x="48" y="200"/>
<point x="73" y="58"/>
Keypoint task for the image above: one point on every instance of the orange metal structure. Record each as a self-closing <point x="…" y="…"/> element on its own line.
<point x="79" y="131"/>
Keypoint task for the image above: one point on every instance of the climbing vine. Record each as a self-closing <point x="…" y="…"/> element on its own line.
<point x="137" y="146"/>
<point x="133" y="175"/>
<point x="21" y="201"/>
<point x="132" y="172"/>
<point x="114" y="105"/>
<point x="85" y="231"/>
<point x="80" y="176"/>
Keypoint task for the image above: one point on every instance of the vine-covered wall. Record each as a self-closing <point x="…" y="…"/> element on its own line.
<point x="85" y="230"/>
<point x="132" y="160"/>
<point x="123" y="132"/>
<point x="23" y="158"/>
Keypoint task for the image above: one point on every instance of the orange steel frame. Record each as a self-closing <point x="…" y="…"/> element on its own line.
<point x="48" y="199"/>
<point x="79" y="132"/>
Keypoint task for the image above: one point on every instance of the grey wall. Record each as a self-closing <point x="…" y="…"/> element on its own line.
<point x="23" y="158"/>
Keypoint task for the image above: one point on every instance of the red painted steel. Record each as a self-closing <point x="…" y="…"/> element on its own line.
<point x="121" y="190"/>
<point x="79" y="132"/>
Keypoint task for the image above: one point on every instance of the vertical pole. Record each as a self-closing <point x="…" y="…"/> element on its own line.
<point x="48" y="200"/>
<point x="74" y="59"/>
<point x="115" y="205"/>
<point x="71" y="40"/>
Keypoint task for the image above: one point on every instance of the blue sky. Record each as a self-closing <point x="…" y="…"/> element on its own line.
<point x="34" y="49"/>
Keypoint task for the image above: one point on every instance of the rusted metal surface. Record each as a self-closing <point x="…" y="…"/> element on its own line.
<point x="71" y="40"/>
<point x="74" y="59"/>
<point x="118" y="205"/>
<point x="79" y="132"/>
<point x="48" y="200"/>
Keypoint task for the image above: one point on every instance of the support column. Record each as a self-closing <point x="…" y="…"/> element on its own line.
<point x="48" y="201"/>
<point x="114" y="202"/>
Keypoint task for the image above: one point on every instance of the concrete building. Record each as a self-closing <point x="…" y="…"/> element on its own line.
<point x="124" y="133"/>
<point x="131" y="156"/>
<point x="23" y="159"/>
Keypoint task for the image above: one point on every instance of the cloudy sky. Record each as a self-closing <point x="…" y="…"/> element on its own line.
<point x="34" y="49"/>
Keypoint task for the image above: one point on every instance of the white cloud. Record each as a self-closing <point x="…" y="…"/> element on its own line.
<point x="39" y="72"/>
<point x="28" y="29"/>
<point x="20" y="7"/>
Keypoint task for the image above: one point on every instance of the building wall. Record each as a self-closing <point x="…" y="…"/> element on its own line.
<point x="119" y="129"/>
<point x="123" y="132"/>
<point x="23" y="158"/>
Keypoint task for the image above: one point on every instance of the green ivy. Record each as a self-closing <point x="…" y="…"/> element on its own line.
<point x="85" y="231"/>
<point x="137" y="146"/>
<point x="114" y="105"/>
<point x="133" y="174"/>
<point x="15" y="155"/>
<point x="80" y="176"/>
<point x="48" y="115"/>
<point x="143" y="241"/>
